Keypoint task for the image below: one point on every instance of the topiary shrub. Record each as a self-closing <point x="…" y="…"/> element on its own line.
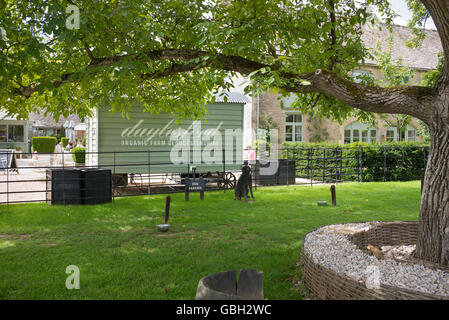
<point x="83" y="142"/>
<point x="65" y="141"/>
<point x="79" y="155"/>
<point x="44" y="144"/>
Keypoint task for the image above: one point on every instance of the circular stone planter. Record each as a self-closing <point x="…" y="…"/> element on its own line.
<point x="336" y="264"/>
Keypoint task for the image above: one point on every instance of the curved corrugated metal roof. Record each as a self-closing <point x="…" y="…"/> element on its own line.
<point x="231" y="97"/>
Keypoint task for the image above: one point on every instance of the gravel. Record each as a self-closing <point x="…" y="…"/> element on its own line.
<point x="330" y="247"/>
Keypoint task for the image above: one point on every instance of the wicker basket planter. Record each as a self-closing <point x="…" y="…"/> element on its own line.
<point x="325" y="283"/>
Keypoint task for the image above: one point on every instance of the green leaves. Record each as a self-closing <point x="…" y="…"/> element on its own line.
<point x="41" y="54"/>
<point x="395" y="73"/>
<point x="418" y="22"/>
<point x="430" y="78"/>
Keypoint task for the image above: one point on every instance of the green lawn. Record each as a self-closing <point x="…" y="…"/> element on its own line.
<point x="121" y="255"/>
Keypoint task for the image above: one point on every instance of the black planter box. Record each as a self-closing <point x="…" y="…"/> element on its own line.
<point x="96" y="186"/>
<point x="63" y="186"/>
<point x="79" y="186"/>
<point x="286" y="172"/>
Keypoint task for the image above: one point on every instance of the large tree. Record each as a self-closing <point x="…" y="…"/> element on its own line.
<point x="171" y="55"/>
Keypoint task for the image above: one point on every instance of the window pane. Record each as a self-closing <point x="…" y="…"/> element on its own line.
<point x="298" y="118"/>
<point x="365" y="136"/>
<point x="347" y="136"/>
<point x="2" y="133"/>
<point x="390" y="135"/>
<point x="411" y="135"/>
<point x="355" y="136"/>
<point x="288" y="118"/>
<point x="15" y="133"/>
<point x="298" y="133"/>
<point x="289" y="133"/>
<point x="373" y="137"/>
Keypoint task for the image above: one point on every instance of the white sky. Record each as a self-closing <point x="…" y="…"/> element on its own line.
<point x="400" y="7"/>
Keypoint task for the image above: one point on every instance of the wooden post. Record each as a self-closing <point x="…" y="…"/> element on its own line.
<point x="334" y="196"/>
<point x="167" y="208"/>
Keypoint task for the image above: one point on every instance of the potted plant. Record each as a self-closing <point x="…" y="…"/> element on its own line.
<point x="79" y="156"/>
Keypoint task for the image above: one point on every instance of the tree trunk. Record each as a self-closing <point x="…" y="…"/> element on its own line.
<point x="433" y="232"/>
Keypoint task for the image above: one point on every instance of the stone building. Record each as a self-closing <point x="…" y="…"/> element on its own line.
<point x="296" y="127"/>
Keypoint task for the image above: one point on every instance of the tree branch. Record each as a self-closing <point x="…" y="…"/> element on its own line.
<point x="89" y="52"/>
<point x="413" y="101"/>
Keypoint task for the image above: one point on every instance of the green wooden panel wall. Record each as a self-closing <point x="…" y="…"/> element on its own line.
<point x="145" y="132"/>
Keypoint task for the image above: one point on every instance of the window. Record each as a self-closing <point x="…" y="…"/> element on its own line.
<point x="391" y="135"/>
<point x="293" y="127"/>
<point x="15" y="133"/>
<point x="3" y="133"/>
<point x="12" y="133"/>
<point x="373" y="135"/>
<point x="365" y="136"/>
<point x="355" y="135"/>
<point x="409" y="134"/>
<point x="347" y="136"/>
<point x="359" y="132"/>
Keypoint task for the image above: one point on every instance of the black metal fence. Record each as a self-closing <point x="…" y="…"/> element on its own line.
<point x="361" y="164"/>
<point x="56" y="178"/>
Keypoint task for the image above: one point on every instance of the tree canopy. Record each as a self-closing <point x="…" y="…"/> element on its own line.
<point x="173" y="55"/>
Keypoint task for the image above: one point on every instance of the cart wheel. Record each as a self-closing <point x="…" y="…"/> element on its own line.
<point x="226" y="181"/>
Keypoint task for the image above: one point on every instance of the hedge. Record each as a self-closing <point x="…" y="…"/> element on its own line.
<point x="65" y="141"/>
<point x="79" y="155"/>
<point x="395" y="161"/>
<point x="44" y="144"/>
